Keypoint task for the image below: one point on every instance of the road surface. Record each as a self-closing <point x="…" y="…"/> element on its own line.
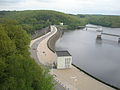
<point x="33" y="50"/>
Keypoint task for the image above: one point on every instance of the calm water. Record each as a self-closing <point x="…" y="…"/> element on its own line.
<point x="101" y="58"/>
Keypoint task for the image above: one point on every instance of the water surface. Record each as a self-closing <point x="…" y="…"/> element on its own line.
<point x="101" y="58"/>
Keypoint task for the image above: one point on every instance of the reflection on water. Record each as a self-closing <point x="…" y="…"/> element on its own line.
<point x="98" y="41"/>
<point x="106" y="41"/>
<point x="100" y="58"/>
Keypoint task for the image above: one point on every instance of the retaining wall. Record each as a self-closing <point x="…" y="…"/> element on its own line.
<point x="51" y="42"/>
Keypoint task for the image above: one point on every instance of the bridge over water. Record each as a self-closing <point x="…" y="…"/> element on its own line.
<point x="99" y="35"/>
<point x="100" y="32"/>
<point x="111" y="34"/>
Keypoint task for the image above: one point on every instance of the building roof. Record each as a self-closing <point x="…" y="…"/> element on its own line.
<point x="62" y="53"/>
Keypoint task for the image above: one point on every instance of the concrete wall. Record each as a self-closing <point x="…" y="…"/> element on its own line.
<point x="53" y="39"/>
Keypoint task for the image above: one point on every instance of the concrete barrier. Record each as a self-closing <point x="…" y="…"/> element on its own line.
<point x="51" y="42"/>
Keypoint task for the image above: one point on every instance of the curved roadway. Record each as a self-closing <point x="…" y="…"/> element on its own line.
<point x="35" y="45"/>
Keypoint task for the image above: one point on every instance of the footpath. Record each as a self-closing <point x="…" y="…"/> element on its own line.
<point x="71" y="79"/>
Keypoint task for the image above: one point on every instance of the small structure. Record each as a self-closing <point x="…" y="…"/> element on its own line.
<point x="99" y="36"/>
<point x="119" y="40"/>
<point x="61" y="24"/>
<point x="99" y="33"/>
<point x="64" y="60"/>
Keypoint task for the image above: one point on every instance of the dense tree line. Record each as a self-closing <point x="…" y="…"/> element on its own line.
<point x="18" y="71"/>
<point x="38" y="19"/>
<point x="32" y="20"/>
<point x="103" y="20"/>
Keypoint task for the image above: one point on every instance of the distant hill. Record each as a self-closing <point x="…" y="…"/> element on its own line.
<point x="32" y="20"/>
<point x="103" y="20"/>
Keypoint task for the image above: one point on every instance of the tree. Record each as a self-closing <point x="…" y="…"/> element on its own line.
<point x="27" y="75"/>
<point x="17" y="70"/>
<point x="7" y="46"/>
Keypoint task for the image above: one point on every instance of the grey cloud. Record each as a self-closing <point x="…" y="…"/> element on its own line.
<point x="8" y="2"/>
<point x="68" y="6"/>
<point x="46" y="1"/>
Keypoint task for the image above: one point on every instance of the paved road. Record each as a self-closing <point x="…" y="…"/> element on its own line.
<point x="33" y="51"/>
<point x="33" y="48"/>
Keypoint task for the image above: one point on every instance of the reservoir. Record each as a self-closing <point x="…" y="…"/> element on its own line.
<point x="100" y="58"/>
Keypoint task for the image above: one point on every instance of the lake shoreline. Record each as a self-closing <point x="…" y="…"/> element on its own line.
<point x="96" y="78"/>
<point x="85" y="71"/>
<point x="90" y="54"/>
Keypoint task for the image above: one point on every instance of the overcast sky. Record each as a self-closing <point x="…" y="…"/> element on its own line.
<point x="67" y="6"/>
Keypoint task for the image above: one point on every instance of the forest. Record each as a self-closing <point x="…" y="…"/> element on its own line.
<point x="18" y="71"/>
<point x="37" y="19"/>
<point x="103" y="20"/>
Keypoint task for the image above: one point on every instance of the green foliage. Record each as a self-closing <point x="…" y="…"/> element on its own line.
<point x="103" y="20"/>
<point x="6" y="44"/>
<point x="17" y="70"/>
<point x="19" y="36"/>
<point x="2" y="71"/>
<point x="38" y="19"/>
<point x="26" y="74"/>
<point x="15" y="32"/>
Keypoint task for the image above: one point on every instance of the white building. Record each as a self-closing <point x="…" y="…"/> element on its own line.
<point x="64" y="59"/>
<point x="61" y="24"/>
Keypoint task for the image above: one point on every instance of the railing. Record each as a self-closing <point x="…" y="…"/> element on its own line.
<point x="111" y="34"/>
<point x="91" y="27"/>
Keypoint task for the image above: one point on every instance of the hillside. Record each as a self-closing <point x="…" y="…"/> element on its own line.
<point x="103" y="20"/>
<point x="38" y="19"/>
